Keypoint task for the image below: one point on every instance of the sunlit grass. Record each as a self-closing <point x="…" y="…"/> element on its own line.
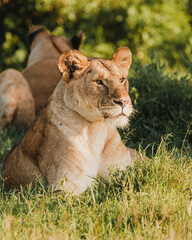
<point x="150" y="201"/>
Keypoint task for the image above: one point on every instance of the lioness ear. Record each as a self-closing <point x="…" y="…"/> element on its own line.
<point x="72" y="64"/>
<point x="77" y="39"/>
<point x="123" y="58"/>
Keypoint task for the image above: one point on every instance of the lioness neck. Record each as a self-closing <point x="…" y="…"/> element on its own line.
<point x="64" y="117"/>
<point x="38" y="46"/>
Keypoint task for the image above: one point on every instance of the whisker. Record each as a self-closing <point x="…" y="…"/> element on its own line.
<point x="109" y="108"/>
<point x="134" y="112"/>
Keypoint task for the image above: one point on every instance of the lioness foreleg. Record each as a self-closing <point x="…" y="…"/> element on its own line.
<point x="116" y="155"/>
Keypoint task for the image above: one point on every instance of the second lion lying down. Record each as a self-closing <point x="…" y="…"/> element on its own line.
<point x="75" y="137"/>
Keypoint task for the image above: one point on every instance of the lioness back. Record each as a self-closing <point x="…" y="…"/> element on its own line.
<point x="16" y="101"/>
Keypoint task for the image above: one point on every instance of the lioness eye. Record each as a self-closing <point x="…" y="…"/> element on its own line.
<point x="122" y="80"/>
<point x="99" y="82"/>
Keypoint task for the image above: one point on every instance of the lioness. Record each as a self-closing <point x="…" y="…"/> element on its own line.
<point x="19" y="92"/>
<point x="75" y="136"/>
<point x="42" y="72"/>
<point x="16" y="101"/>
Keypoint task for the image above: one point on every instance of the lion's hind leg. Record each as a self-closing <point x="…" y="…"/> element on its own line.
<point x="16" y="100"/>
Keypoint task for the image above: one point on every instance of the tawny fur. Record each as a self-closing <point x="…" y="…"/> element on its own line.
<point x="74" y="139"/>
<point x="16" y="101"/>
<point x="42" y="72"/>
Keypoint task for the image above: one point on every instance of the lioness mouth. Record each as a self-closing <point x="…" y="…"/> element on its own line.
<point x="121" y="114"/>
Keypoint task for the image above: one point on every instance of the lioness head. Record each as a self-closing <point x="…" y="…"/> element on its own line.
<point x="97" y="88"/>
<point x="61" y="43"/>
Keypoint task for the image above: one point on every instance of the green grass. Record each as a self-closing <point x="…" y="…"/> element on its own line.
<point x="163" y="104"/>
<point x="8" y="137"/>
<point x="150" y="201"/>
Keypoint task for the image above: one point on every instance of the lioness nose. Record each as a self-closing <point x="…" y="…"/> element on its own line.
<point x="121" y="102"/>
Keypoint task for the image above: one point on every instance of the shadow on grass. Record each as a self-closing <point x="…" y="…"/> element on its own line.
<point x="163" y="104"/>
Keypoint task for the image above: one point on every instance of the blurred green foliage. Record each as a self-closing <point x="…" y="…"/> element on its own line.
<point x="161" y="25"/>
<point x="163" y="104"/>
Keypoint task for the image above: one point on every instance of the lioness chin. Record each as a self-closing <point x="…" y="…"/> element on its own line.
<point x="75" y="138"/>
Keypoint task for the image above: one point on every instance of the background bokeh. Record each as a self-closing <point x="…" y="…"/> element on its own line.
<point x="161" y="25"/>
